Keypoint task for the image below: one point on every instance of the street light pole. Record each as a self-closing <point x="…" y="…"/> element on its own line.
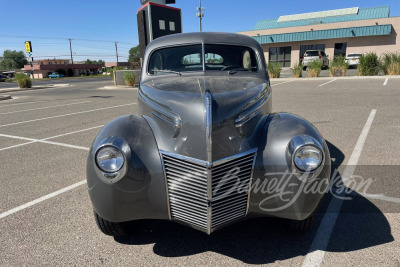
<point x="70" y="49"/>
<point x="200" y="14"/>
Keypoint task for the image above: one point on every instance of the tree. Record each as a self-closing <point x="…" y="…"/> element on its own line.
<point x="101" y="62"/>
<point x="134" y="54"/>
<point x="13" y="60"/>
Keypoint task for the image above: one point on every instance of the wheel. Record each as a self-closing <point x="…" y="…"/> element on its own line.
<point x="301" y="226"/>
<point x="110" y="228"/>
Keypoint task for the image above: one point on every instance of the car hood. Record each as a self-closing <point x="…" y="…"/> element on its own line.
<point x="176" y="109"/>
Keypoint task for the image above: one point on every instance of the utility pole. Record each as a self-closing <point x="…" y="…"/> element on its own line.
<point x="116" y="51"/>
<point x="70" y="49"/>
<point x="200" y="13"/>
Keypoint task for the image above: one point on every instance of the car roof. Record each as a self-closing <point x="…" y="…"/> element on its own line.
<point x="203" y="37"/>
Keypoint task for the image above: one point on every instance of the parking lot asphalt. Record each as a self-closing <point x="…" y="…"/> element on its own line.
<point x="46" y="216"/>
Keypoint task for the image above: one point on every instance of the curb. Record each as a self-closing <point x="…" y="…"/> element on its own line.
<point x="47" y="86"/>
<point x="5" y="97"/>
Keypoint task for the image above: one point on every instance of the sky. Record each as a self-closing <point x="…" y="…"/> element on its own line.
<point x="94" y="26"/>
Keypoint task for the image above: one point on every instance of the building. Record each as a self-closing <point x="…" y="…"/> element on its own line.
<point x="53" y="61"/>
<point x="129" y="65"/>
<point x="341" y="31"/>
<point x="43" y="70"/>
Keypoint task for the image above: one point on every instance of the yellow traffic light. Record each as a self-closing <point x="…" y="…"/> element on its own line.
<point x="28" y="47"/>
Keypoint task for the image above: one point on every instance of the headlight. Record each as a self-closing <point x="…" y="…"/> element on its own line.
<point x="110" y="159"/>
<point x="308" y="158"/>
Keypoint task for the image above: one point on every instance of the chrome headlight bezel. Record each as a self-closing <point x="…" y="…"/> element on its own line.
<point x="123" y="147"/>
<point x="299" y="142"/>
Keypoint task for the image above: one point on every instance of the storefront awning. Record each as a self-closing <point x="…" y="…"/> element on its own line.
<point x="325" y="34"/>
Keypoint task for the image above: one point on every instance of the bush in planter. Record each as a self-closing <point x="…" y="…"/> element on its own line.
<point x="314" y="68"/>
<point x="23" y="80"/>
<point x="391" y="63"/>
<point x="338" y="67"/>
<point x="129" y="78"/>
<point x="369" y="65"/>
<point x="274" y="69"/>
<point x="297" y="70"/>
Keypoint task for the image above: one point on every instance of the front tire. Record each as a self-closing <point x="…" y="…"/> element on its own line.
<point x="110" y="228"/>
<point x="301" y="226"/>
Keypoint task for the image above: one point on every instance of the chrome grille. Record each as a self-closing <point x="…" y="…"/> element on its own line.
<point x="208" y="197"/>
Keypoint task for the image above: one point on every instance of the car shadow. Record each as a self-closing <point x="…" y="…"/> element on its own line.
<point x="267" y="240"/>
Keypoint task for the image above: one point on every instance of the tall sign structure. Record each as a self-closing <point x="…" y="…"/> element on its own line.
<point x="156" y="19"/>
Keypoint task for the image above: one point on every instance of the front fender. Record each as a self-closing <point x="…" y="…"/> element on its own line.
<point x="275" y="188"/>
<point x="141" y="192"/>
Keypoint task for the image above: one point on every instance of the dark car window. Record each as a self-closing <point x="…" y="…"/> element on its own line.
<point x="354" y="55"/>
<point x="230" y="57"/>
<point x="311" y="54"/>
<point x="323" y="53"/>
<point x="181" y="59"/>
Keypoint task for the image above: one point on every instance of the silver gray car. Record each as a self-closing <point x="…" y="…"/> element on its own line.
<point x="206" y="150"/>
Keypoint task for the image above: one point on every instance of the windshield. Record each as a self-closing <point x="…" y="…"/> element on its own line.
<point x="190" y="58"/>
<point x="311" y="54"/>
<point x="354" y="55"/>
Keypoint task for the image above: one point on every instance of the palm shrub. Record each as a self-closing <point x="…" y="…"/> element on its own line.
<point x="129" y="78"/>
<point x="314" y="68"/>
<point x="297" y="70"/>
<point x="23" y="80"/>
<point x="338" y="66"/>
<point x="391" y="63"/>
<point x="369" y="64"/>
<point x="274" y="69"/>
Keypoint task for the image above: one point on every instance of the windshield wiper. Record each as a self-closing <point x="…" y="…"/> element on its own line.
<point x="169" y="71"/>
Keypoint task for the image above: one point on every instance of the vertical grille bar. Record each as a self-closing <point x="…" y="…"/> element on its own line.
<point x="208" y="195"/>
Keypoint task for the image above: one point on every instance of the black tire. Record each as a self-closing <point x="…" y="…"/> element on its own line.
<point x="110" y="228"/>
<point x="301" y="226"/>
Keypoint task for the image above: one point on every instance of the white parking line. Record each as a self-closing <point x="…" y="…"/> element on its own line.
<point x="76" y="103"/>
<point x="321" y="239"/>
<point x="52" y="137"/>
<point x="75" y="113"/>
<point x="327" y="82"/>
<point x="30" y="102"/>
<point x="281" y="83"/>
<point x="43" y="141"/>
<point x="36" y="201"/>
<point x="386" y="81"/>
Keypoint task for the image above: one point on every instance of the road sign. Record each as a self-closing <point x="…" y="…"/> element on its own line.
<point x="30" y="59"/>
<point x="28" y="47"/>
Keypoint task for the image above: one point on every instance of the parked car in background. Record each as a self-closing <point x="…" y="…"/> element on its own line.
<point x="205" y="133"/>
<point x="311" y="55"/>
<point x="56" y="75"/>
<point x="353" y="59"/>
<point x="3" y="77"/>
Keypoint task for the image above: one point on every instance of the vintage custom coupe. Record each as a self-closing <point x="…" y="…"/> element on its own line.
<point x="205" y="149"/>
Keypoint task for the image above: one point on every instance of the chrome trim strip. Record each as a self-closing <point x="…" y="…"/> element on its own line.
<point x="250" y="184"/>
<point x="193" y="160"/>
<point x="166" y="186"/>
<point x="208" y="119"/>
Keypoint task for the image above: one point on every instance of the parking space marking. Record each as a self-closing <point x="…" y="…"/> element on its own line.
<point x="51" y="137"/>
<point x="76" y="103"/>
<point x="281" y="83"/>
<point x="320" y="243"/>
<point x="327" y="82"/>
<point x="30" y="102"/>
<point x="386" y="81"/>
<point x="69" y="114"/>
<point x="41" y="199"/>
<point x="43" y="141"/>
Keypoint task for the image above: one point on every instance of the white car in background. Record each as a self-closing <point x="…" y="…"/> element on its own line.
<point x="311" y="55"/>
<point x="353" y="59"/>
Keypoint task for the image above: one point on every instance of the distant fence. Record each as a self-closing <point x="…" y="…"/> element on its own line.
<point x="119" y="78"/>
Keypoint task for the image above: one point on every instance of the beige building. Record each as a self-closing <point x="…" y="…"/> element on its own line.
<point x="342" y="31"/>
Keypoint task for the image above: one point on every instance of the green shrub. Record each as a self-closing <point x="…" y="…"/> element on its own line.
<point x="369" y="65"/>
<point x="23" y="80"/>
<point x="9" y="80"/>
<point x="129" y="78"/>
<point x="314" y="68"/>
<point x="274" y="69"/>
<point x="297" y="70"/>
<point x="391" y="63"/>
<point x="338" y="66"/>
